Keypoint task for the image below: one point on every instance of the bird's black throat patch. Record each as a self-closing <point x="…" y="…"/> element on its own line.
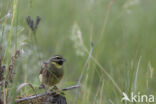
<point x="60" y="62"/>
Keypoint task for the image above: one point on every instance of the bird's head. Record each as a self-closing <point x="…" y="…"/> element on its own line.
<point x="57" y="61"/>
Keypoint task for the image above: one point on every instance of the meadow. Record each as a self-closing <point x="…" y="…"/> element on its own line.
<point x="109" y="47"/>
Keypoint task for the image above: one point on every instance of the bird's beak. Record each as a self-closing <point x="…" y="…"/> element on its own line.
<point x="63" y="60"/>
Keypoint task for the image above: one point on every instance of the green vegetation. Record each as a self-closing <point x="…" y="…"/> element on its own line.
<point x="124" y="53"/>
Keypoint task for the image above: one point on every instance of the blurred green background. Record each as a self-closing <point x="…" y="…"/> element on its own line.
<point x="123" y="33"/>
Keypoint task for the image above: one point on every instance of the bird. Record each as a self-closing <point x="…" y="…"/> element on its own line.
<point x="51" y="72"/>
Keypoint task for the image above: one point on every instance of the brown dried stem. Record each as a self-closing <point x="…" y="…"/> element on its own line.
<point x="41" y="97"/>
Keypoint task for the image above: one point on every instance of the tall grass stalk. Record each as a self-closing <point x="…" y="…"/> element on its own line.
<point x="9" y="40"/>
<point x="105" y="72"/>
<point x="99" y="42"/>
<point x="7" y="53"/>
<point x="105" y="21"/>
<point x="101" y="92"/>
<point x="136" y="75"/>
<point x="82" y="72"/>
<point x="103" y="28"/>
<point x="87" y="89"/>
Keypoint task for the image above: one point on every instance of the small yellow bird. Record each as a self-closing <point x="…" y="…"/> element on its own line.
<point x="51" y="72"/>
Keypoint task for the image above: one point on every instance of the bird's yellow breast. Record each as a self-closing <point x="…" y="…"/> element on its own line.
<point x="57" y="65"/>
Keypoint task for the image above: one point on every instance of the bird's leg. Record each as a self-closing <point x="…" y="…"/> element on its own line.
<point x="47" y="94"/>
<point x="47" y="91"/>
<point x="42" y="86"/>
<point x="57" y="90"/>
<point x="53" y="89"/>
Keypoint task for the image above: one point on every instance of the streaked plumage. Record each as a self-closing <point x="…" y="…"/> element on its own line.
<point x="52" y="71"/>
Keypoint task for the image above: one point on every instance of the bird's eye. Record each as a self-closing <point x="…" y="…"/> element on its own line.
<point x="57" y="57"/>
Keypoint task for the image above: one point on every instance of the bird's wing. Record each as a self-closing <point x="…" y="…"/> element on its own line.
<point x="43" y="67"/>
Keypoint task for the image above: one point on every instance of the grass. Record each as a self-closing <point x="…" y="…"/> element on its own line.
<point x="123" y="58"/>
